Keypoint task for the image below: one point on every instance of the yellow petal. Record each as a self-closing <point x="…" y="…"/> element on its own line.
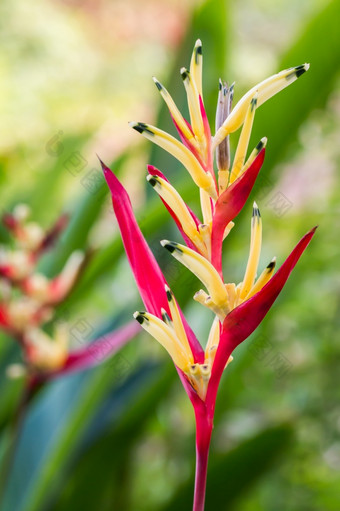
<point x="170" y="195"/>
<point x="202" y="268"/>
<point x="196" y="66"/>
<point x="205" y="207"/>
<point x="180" y="152"/>
<point x="165" y="336"/>
<point x="214" y="338"/>
<point x="193" y="104"/>
<point x="242" y="146"/>
<point x="266" y="90"/>
<point x="178" y="324"/>
<point x="265" y="276"/>
<point x="176" y="114"/>
<point x="254" y="253"/>
<point x="253" y="154"/>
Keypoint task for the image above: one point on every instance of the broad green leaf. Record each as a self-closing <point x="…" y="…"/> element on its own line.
<point x="82" y="219"/>
<point x="113" y="448"/>
<point x="281" y="117"/>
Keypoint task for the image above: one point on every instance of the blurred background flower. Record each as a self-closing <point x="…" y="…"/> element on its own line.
<point x="72" y="74"/>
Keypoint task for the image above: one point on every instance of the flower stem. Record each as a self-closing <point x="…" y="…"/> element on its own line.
<point x="204" y="425"/>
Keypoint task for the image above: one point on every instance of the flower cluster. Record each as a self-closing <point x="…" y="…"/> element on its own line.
<point x="28" y="299"/>
<point x="221" y="196"/>
<point x="224" y="188"/>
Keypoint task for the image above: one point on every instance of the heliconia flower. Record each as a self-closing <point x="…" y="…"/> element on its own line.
<point x="28" y="300"/>
<point x="48" y="358"/>
<point x="53" y="291"/>
<point x="237" y="308"/>
<point x="30" y="235"/>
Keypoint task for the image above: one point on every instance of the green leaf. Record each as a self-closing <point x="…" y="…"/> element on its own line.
<point x="281" y="117"/>
<point x="113" y="448"/>
<point x="82" y="220"/>
<point x="47" y="189"/>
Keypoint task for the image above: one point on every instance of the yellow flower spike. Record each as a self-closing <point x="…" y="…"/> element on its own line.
<point x="164" y="334"/>
<point x="254" y="253"/>
<point x="242" y="146"/>
<point x="178" y="324"/>
<point x="196" y="66"/>
<point x="170" y="195"/>
<point x="265" y="276"/>
<point x="176" y="114"/>
<point x="266" y="90"/>
<point x="213" y="339"/>
<point x="202" y="268"/>
<point x="193" y="104"/>
<point x="180" y="152"/>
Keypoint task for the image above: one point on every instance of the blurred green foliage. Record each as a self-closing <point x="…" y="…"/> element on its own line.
<point x="120" y="436"/>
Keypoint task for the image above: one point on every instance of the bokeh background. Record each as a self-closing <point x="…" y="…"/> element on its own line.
<point x="121" y="436"/>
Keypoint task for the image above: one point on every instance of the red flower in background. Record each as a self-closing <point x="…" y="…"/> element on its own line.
<point x="28" y="300"/>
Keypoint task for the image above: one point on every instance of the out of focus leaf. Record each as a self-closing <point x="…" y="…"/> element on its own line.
<point x="53" y="428"/>
<point x="281" y="117"/>
<point x="83" y="219"/>
<point x="118" y="424"/>
<point x="47" y="189"/>
<point x="10" y="389"/>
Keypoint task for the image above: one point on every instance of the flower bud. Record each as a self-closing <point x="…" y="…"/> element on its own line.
<point x="225" y="96"/>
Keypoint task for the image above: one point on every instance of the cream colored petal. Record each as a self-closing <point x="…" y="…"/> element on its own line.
<point x="265" y="276"/>
<point x="266" y="90"/>
<point x="202" y="268"/>
<point x="193" y="104"/>
<point x="170" y="195"/>
<point x="196" y="66"/>
<point x="254" y="253"/>
<point x="165" y="336"/>
<point x="242" y="146"/>
<point x="180" y="152"/>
